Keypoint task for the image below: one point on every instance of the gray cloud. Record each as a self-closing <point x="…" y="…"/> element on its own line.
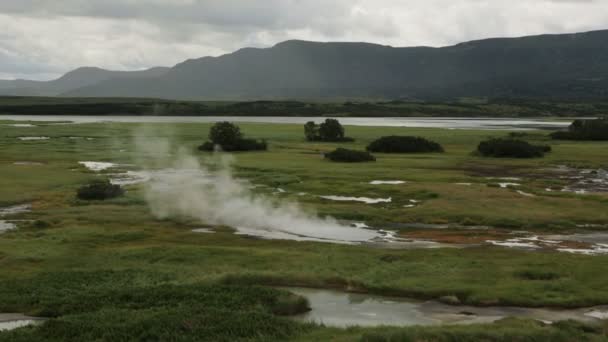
<point x="44" y="38"/>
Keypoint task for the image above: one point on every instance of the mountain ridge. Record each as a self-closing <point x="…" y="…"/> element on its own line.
<point x="549" y="65"/>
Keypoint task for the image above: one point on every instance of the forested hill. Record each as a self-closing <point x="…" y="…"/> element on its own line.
<point x="546" y="66"/>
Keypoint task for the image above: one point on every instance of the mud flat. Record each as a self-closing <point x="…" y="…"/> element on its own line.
<point x="342" y="309"/>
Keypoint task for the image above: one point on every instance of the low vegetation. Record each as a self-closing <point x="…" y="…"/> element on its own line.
<point x="228" y="137"/>
<point x="404" y="144"/>
<point x="349" y="156"/>
<point x="463" y="107"/>
<point x="109" y="306"/>
<point x="596" y="129"/>
<point x="511" y="148"/>
<point x="331" y="131"/>
<point x="112" y="271"/>
<point x="99" y="190"/>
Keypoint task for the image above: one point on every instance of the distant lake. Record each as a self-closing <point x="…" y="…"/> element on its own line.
<point x="451" y="123"/>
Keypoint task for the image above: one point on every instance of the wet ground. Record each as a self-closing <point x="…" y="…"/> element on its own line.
<point x="341" y="309"/>
<point x="582" y="181"/>
<point x="10" y="321"/>
<point x="6" y="225"/>
<point x="413" y="235"/>
<point x="33" y="138"/>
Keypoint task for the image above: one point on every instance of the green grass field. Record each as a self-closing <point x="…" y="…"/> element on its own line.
<point x="113" y="271"/>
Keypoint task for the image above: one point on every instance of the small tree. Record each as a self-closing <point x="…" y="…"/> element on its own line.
<point x="229" y="137"/>
<point x="311" y="131"/>
<point x="225" y="134"/>
<point x="331" y="130"/>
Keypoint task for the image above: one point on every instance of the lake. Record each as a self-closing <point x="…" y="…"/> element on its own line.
<point x="450" y="123"/>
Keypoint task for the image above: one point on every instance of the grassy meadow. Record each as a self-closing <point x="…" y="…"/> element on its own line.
<point x="111" y="270"/>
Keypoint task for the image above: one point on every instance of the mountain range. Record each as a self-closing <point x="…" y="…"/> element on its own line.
<point x="544" y="66"/>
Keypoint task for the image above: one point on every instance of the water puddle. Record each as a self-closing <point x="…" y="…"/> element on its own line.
<point x="27" y="163"/>
<point x="357" y="199"/>
<point x="582" y="243"/>
<point x="203" y="230"/>
<point x="14" y="321"/>
<point x="20" y="125"/>
<point x="97" y="166"/>
<point x="138" y="177"/>
<point x="16" y="209"/>
<point x="508" y="184"/>
<point x="387" y="182"/>
<point x="341" y="309"/>
<point x="356" y="233"/>
<point x="33" y="138"/>
<point x="6" y="225"/>
<point x="525" y="194"/>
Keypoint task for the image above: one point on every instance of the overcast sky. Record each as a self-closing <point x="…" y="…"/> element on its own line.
<point x="42" y="39"/>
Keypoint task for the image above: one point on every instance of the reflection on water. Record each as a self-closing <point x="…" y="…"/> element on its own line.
<point x="341" y="309"/>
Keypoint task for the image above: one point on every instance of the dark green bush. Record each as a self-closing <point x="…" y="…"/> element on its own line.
<point x="596" y="129"/>
<point x="331" y="130"/>
<point x="225" y="134"/>
<point x="99" y="190"/>
<point x="511" y="148"/>
<point x="349" y="156"/>
<point x="403" y="144"/>
<point x="228" y="137"/>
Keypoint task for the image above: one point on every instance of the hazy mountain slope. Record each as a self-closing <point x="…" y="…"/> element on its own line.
<point x="75" y="79"/>
<point x="570" y="65"/>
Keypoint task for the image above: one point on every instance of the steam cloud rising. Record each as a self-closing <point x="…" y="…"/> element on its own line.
<point x="209" y="192"/>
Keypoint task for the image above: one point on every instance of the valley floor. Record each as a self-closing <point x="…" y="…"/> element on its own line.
<point x="117" y="270"/>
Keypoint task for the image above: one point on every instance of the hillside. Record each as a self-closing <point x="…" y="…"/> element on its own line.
<point x="546" y="66"/>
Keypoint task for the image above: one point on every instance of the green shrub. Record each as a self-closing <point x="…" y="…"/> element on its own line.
<point x="349" y="156"/>
<point x="228" y="137"/>
<point x="596" y="129"/>
<point x="225" y="134"/>
<point x="403" y="144"/>
<point x="511" y="148"/>
<point x="331" y="130"/>
<point x="99" y="190"/>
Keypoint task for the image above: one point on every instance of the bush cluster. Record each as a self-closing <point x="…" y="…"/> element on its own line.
<point x="511" y="148"/>
<point x="596" y="129"/>
<point x="403" y="144"/>
<point x="228" y="137"/>
<point x="349" y="156"/>
<point x="331" y="130"/>
<point x="99" y="190"/>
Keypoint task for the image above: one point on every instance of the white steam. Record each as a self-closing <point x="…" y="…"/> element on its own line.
<point x="209" y="192"/>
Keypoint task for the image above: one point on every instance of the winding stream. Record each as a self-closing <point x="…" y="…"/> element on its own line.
<point x="341" y="309"/>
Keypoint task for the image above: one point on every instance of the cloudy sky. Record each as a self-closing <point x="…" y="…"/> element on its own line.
<point x="42" y="39"/>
